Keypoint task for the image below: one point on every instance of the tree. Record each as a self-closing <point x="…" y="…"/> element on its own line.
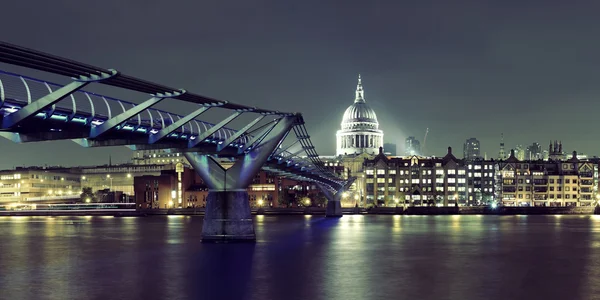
<point x="87" y="195"/>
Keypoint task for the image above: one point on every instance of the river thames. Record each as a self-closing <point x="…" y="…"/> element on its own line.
<point x="303" y="257"/>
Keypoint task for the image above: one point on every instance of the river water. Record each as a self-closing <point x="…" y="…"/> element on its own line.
<point x="303" y="257"/>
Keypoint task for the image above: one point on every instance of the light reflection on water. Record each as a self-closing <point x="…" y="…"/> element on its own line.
<point x="303" y="257"/>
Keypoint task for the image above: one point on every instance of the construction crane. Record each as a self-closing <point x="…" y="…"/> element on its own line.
<point x="425" y="142"/>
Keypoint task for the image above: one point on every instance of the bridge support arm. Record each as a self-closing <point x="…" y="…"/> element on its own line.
<point x="238" y="134"/>
<point x="130" y="113"/>
<point x="39" y="105"/>
<point x="169" y="129"/>
<point x="227" y="216"/>
<point x="202" y="136"/>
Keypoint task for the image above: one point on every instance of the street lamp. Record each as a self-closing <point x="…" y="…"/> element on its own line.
<point x="260" y="202"/>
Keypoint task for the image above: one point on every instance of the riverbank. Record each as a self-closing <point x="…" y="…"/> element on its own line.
<point x="480" y="210"/>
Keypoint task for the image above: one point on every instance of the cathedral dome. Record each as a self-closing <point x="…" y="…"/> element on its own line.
<point x="359" y="115"/>
<point x="360" y="130"/>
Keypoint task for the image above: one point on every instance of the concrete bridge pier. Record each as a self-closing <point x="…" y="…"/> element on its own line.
<point x="334" y="204"/>
<point x="227" y="217"/>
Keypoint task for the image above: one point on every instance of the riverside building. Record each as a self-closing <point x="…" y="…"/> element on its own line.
<point x="570" y="182"/>
<point x="427" y="181"/>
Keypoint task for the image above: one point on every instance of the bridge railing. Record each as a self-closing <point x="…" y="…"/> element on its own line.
<point x="82" y="106"/>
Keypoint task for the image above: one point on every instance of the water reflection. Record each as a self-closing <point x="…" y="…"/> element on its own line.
<point x="303" y="257"/>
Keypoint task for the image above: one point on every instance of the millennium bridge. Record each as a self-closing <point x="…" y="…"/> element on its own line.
<point x="35" y="110"/>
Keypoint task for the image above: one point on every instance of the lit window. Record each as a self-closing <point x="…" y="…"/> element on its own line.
<point x="369" y="172"/>
<point x="392" y="172"/>
<point x="380" y="172"/>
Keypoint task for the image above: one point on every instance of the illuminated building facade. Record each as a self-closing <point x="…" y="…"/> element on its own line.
<point x="427" y="181"/>
<point x="38" y="184"/>
<point x="570" y="182"/>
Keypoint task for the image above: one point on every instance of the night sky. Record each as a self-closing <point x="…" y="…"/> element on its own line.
<point x="463" y="68"/>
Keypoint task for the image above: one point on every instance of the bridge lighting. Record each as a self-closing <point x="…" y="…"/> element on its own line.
<point x="345" y="194"/>
<point x="128" y="175"/>
<point x="260" y="202"/>
<point x="171" y="203"/>
<point x="88" y="200"/>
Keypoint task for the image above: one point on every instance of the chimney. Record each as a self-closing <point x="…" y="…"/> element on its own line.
<point x="380" y="150"/>
<point x="449" y="150"/>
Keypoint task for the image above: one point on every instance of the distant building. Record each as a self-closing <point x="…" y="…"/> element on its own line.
<point x="39" y="185"/>
<point x="183" y="188"/>
<point x="533" y="152"/>
<point x="412" y="146"/>
<point x="471" y="149"/>
<point x="502" y="152"/>
<point x="555" y="151"/>
<point x="389" y="149"/>
<point x="520" y="152"/>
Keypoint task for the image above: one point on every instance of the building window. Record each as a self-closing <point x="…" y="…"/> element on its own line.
<point x="392" y="172"/>
<point x="369" y="172"/>
<point x="451" y="171"/>
<point x="380" y="172"/>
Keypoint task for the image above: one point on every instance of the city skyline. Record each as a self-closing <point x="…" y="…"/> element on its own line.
<point x="423" y="66"/>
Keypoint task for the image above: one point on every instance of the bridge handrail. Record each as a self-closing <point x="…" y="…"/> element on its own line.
<point x="154" y="123"/>
<point x="29" y="58"/>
